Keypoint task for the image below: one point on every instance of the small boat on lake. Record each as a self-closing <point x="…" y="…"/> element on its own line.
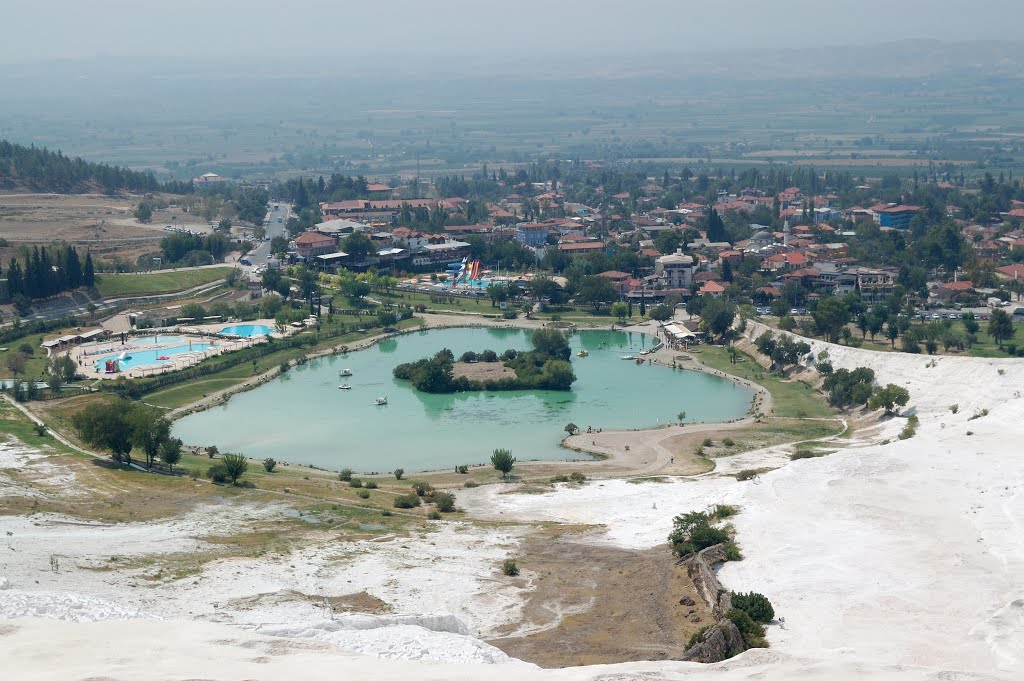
<point x="381" y="401"/>
<point x="344" y="386"/>
<point x="582" y="353"/>
<point x="627" y="357"/>
<point x="345" y="372"/>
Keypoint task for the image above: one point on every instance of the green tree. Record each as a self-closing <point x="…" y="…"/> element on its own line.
<point x="620" y="309"/>
<point x="571" y="428"/>
<point x="889" y="398"/>
<point x="595" y="291"/>
<point x="106" y="425"/>
<point x="1000" y="327"/>
<point x="971" y="325"/>
<point x="235" y="466"/>
<point x="717" y="316"/>
<point x="357" y="245"/>
<point x="170" y="452"/>
<point x="551" y="342"/>
<point x="892" y="331"/>
<point x="149" y="430"/>
<point x="830" y="316"/>
<point x="503" y="461"/>
<point x="387" y="319"/>
<point x="661" y="313"/>
<point x="144" y="212"/>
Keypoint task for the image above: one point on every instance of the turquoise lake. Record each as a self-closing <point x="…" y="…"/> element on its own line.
<point x="304" y="418"/>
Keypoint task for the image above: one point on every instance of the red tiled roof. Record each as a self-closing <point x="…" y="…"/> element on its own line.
<point x="711" y="287"/>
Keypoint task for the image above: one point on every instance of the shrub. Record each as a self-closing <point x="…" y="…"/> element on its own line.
<point x="406" y="501"/>
<point x="217" y="473"/>
<point x="422" y="488"/>
<point x="462" y="470"/>
<point x="752" y="632"/>
<point x="195" y="473"/>
<point x="756" y="605"/>
<point x="954" y="408"/>
<point x="470" y="484"/>
<point x="355" y="482"/>
<point x="732" y="552"/>
<point x="910" y="429"/>
<point x="978" y="414"/>
<point x="269" y="464"/>
<point x="370" y="484"/>
<point x="747" y="474"/>
<point x="444" y="501"/>
<point x="345" y="475"/>
<point x="399" y="472"/>
<point x="577" y="477"/>
<point x="363" y="494"/>
<point x="561" y="477"/>
<point x="728" y="442"/>
<point x="708" y="442"/>
<point x="722" y="511"/>
<point x="386" y="513"/>
<point x="433" y="515"/>
<point x="509" y="568"/>
<point x="692" y="532"/>
<point x="698" y="636"/>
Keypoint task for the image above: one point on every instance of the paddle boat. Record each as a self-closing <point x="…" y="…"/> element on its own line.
<point x="381" y="401"/>
<point x="345" y="372"/>
<point x="163" y="358"/>
<point x="344" y="386"/>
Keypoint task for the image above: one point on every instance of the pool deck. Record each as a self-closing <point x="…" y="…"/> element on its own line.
<point x="86" y="355"/>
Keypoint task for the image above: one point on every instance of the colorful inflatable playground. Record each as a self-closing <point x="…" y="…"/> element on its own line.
<point x="465" y="273"/>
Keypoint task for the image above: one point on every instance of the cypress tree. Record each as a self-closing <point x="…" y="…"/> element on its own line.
<point x="88" y="274"/>
<point x="72" y="268"/>
<point x="14" y="285"/>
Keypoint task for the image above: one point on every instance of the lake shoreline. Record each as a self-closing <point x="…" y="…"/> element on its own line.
<point x="622" y="450"/>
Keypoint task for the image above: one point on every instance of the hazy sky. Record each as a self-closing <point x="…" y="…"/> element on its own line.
<point x="59" y="29"/>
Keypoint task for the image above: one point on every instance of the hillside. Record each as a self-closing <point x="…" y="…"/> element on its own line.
<point x="41" y="170"/>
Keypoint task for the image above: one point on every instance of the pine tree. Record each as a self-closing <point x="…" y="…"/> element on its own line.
<point x="88" y="274"/>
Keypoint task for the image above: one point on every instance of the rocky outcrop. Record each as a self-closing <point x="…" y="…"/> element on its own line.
<point x="718" y="643"/>
<point x="700" y="568"/>
<point x="723" y="640"/>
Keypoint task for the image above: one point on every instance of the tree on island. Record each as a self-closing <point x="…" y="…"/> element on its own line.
<point x="571" y="428"/>
<point x="503" y="461"/>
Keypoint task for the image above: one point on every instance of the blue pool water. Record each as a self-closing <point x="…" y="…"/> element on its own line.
<point x="246" y="330"/>
<point x="139" y="357"/>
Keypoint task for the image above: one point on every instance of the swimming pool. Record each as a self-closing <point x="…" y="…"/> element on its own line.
<point x="246" y="330"/>
<point x="136" y="358"/>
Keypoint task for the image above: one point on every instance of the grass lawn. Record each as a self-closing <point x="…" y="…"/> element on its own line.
<point x="112" y="285"/>
<point x="790" y="398"/>
<point x="36" y="364"/>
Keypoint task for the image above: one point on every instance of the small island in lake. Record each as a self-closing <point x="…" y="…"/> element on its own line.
<point x="546" y="367"/>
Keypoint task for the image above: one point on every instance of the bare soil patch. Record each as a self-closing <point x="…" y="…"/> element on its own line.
<point x="595" y="604"/>
<point x="483" y="371"/>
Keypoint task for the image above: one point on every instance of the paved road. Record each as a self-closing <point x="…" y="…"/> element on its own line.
<point x="258" y="256"/>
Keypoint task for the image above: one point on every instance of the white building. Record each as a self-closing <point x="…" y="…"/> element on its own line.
<point x="674" y="270"/>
